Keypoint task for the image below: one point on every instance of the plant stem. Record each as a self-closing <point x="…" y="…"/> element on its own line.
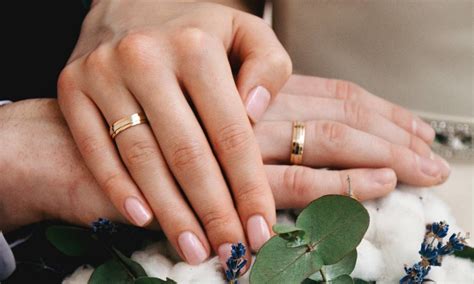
<point x="323" y="275"/>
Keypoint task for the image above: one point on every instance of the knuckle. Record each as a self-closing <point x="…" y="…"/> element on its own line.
<point x="280" y="60"/>
<point x="356" y="114"/>
<point x="91" y="146"/>
<point x="297" y="180"/>
<point x="342" y="90"/>
<point x="232" y="138"/>
<point x="141" y="153"/>
<point x="216" y="220"/>
<point x="193" y="42"/>
<point x="250" y="193"/>
<point x="112" y="182"/>
<point x="136" y="49"/>
<point x="98" y="61"/>
<point x="66" y="81"/>
<point x="188" y="156"/>
<point x="332" y="132"/>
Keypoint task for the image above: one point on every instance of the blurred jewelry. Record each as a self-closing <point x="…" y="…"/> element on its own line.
<point x="297" y="143"/>
<point x="125" y="123"/>
<point x="454" y="139"/>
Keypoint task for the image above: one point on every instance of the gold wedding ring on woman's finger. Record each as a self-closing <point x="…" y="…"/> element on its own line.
<point x="125" y="123"/>
<point x="297" y="143"/>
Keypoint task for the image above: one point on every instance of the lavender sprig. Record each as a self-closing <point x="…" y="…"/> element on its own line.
<point x="104" y="227"/>
<point x="235" y="263"/>
<point x="432" y="251"/>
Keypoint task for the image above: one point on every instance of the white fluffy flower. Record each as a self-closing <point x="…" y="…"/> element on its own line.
<point x="393" y="239"/>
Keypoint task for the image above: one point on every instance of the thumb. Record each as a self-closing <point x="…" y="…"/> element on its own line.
<point x="265" y="64"/>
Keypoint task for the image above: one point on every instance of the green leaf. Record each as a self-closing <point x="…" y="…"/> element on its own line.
<point x="344" y="267"/>
<point x="343" y="279"/>
<point x="153" y="280"/>
<point x="72" y="241"/>
<point x="112" y="271"/>
<point x="133" y="267"/>
<point x="296" y="237"/>
<point x="467" y="252"/>
<point x="335" y="226"/>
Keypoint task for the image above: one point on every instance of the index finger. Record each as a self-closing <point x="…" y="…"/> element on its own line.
<point x="339" y="89"/>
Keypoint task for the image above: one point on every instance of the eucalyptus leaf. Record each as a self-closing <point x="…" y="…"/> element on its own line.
<point x="344" y="267"/>
<point x="153" y="280"/>
<point x="343" y="279"/>
<point x="133" y="267"/>
<point x="72" y="241"/>
<point x="296" y="237"/>
<point x="112" y="271"/>
<point x="335" y="226"/>
<point x="467" y="252"/>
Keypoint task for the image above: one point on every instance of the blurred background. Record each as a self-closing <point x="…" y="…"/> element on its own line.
<point x="418" y="54"/>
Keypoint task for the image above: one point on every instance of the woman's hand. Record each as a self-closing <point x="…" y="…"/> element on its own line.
<point x="347" y="127"/>
<point x="171" y="61"/>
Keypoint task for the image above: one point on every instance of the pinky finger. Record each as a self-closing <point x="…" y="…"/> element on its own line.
<point x="297" y="186"/>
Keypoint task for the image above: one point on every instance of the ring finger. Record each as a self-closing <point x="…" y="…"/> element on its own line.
<point x="332" y="144"/>
<point x="142" y="157"/>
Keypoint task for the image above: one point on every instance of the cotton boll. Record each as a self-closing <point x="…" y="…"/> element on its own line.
<point x="204" y="273"/>
<point x="400" y="228"/>
<point x="457" y="270"/>
<point x="154" y="263"/>
<point x="80" y="276"/>
<point x="370" y="263"/>
<point x="371" y="207"/>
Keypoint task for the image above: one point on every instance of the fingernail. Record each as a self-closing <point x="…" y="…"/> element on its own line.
<point x="137" y="211"/>
<point x="428" y="167"/>
<point x="257" y="102"/>
<point x="192" y="248"/>
<point x="257" y="231"/>
<point x="384" y="177"/>
<point x="445" y="167"/>
<point x="423" y="130"/>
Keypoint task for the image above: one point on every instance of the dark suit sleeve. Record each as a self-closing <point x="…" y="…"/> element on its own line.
<point x="37" y="40"/>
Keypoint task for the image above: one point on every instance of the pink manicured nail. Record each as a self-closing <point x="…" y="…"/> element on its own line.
<point x="257" y="231"/>
<point x="257" y="102"/>
<point x="428" y="166"/>
<point x="137" y="211"/>
<point x="192" y="248"/>
<point x="384" y="177"/>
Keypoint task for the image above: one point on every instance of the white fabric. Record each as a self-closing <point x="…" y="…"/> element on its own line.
<point x="4" y="102"/>
<point x="393" y="239"/>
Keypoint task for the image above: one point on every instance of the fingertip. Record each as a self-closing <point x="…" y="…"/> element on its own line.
<point x="192" y="248"/>
<point x="257" y="103"/>
<point x="139" y="214"/>
<point x="423" y="130"/>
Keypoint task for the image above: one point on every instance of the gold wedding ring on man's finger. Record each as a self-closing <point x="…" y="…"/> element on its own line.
<point x="297" y="143"/>
<point x="125" y="123"/>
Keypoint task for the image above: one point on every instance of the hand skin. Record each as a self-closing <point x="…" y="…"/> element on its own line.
<point x="44" y="176"/>
<point x="171" y="61"/>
